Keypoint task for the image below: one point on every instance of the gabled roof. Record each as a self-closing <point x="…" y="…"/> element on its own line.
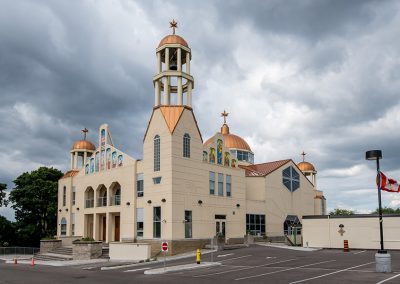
<point x="70" y="173"/>
<point x="262" y="170"/>
<point x="172" y="115"/>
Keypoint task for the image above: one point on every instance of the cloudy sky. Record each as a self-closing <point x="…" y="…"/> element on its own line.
<point x="319" y="76"/>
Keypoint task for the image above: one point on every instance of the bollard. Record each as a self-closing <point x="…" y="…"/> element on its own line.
<point x="198" y="256"/>
<point x="346" y="246"/>
<point x="15" y="260"/>
<point x="33" y="261"/>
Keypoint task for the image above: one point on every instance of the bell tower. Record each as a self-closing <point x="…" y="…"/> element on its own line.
<point x="173" y="71"/>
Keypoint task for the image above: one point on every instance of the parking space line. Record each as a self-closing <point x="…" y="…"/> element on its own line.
<point x="245" y="268"/>
<point x="388" y="279"/>
<point x="235" y="257"/>
<point x="138" y="269"/>
<point x="331" y="273"/>
<point x="223" y="255"/>
<point x="282" y="270"/>
<point x="359" y="252"/>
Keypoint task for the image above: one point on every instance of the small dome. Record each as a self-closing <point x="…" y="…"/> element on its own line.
<point x="83" y="145"/>
<point x="306" y="167"/>
<point x="173" y="39"/>
<point x="230" y="140"/>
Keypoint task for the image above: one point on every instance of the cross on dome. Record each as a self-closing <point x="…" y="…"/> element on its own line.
<point x="225" y="115"/>
<point x="85" y="130"/>
<point x="303" y="154"/>
<point x="173" y="25"/>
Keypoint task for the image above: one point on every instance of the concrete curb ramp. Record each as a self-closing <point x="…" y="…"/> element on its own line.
<point x="180" y="268"/>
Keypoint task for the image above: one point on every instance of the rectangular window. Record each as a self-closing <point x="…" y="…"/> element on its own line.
<point x="220" y="184"/>
<point x="188" y="224"/>
<point x="64" y="195"/>
<point x="255" y="224"/>
<point x="212" y="182"/>
<point x="228" y="185"/>
<point x="139" y="185"/>
<point x="139" y="222"/>
<point x="157" y="222"/>
<point x="73" y="224"/>
<point x="157" y="180"/>
<point x="157" y="153"/>
<point x="73" y="195"/>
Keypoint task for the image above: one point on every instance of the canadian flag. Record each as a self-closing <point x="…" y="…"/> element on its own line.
<point x="388" y="184"/>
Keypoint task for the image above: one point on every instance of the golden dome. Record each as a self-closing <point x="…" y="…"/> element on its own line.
<point x="173" y="39"/>
<point x="306" y="167"/>
<point x="83" y="145"/>
<point x="230" y="140"/>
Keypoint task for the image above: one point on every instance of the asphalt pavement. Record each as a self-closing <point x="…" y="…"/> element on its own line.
<point x="256" y="264"/>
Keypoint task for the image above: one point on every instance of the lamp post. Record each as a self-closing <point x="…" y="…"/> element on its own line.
<point x="382" y="258"/>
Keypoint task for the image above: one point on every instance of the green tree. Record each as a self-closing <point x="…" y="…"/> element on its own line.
<point x="34" y="200"/>
<point x="341" y="212"/>
<point x="7" y="232"/>
<point x="387" y="210"/>
<point x="3" y="200"/>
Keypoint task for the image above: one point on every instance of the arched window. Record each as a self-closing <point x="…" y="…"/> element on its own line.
<point x="156" y="153"/>
<point x="63" y="230"/>
<point x="186" y="145"/>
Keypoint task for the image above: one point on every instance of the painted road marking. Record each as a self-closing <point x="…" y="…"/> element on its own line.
<point x="360" y="252"/>
<point x="327" y="274"/>
<point x="269" y="257"/>
<point x="138" y="269"/>
<point x="282" y="270"/>
<point x="223" y="255"/>
<point x="245" y="268"/>
<point x="236" y="257"/>
<point x="393" y="277"/>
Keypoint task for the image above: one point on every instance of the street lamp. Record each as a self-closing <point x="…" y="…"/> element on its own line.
<point x="382" y="258"/>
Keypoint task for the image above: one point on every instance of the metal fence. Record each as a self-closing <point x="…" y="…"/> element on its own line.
<point x="18" y="251"/>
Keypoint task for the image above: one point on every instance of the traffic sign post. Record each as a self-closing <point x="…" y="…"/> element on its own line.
<point x="164" y="248"/>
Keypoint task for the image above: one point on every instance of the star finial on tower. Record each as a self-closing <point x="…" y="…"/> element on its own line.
<point x="225" y="115"/>
<point x="303" y="154"/>
<point x="85" y="130"/>
<point x="173" y="25"/>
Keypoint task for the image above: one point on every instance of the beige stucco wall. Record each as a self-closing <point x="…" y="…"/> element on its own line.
<point x="361" y="232"/>
<point x="125" y="176"/>
<point x="129" y="251"/>
<point x="267" y="195"/>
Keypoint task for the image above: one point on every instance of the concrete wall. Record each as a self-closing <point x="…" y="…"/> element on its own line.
<point x="362" y="231"/>
<point x="129" y="251"/>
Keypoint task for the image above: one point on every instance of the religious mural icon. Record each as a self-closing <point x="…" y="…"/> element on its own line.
<point x="108" y="155"/>
<point x="102" y="161"/>
<point x="212" y="155"/>
<point x="103" y="137"/>
<point x="87" y="169"/>
<point x="205" y="156"/>
<point x="233" y="163"/>
<point x="97" y="157"/>
<point x="120" y="161"/>
<point x="92" y="165"/>
<point x="114" y="159"/>
<point x="227" y="157"/>
<point x="219" y="151"/>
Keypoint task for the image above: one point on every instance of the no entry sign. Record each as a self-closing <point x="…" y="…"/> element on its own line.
<point x="164" y="246"/>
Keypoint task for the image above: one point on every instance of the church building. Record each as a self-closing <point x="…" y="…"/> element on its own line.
<point x="185" y="190"/>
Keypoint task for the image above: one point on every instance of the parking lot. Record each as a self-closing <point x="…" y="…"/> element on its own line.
<point x="256" y="264"/>
<point x="276" y="265"/>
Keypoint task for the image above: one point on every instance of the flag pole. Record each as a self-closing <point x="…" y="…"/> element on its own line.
<point x="382" y="250"/>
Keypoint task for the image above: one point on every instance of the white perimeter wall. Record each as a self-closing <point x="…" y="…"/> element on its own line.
<point x="362" y="232"/>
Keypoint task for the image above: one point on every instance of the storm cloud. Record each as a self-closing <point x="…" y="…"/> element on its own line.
<point x="318" y="76"/>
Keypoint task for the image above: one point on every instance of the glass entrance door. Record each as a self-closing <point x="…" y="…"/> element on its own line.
<point x="220" y="227"/>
